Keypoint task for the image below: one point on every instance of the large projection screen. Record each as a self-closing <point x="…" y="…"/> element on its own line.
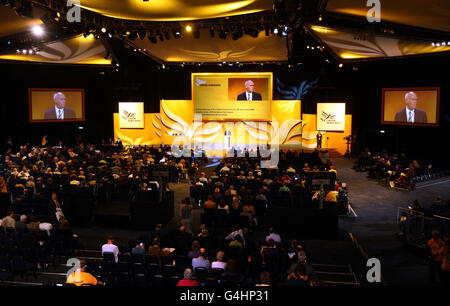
<point x="232" y="96"/>
<point x="55" y="105"/>
<point x="412" y="106"/>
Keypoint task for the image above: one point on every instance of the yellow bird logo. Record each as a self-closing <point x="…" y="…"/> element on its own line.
<point x="223" y="55"/>
<point x="326" y="116"/>
<point x="127" y="115"/>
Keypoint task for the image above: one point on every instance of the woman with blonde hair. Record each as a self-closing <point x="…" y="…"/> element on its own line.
<point x="219" y="263"/>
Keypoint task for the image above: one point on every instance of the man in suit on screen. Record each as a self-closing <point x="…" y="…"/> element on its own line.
<point x="60" y="111"/>
<point x="249" y="94"/>
<point x="410" y="113"/>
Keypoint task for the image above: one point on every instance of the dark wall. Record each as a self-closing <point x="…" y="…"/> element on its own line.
<point x="139" y="80"/>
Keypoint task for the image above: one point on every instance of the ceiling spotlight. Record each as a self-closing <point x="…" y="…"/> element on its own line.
<point x="275" y="31"/>
<point x="320" y="18"/>
<point x="188" y="28"/>
<point x="24" y="51"/>
<point x="176" y="33"/>
<point x="340" y="65"/>
<point x="433" y="44"/>
<point x="103" y="30"/>
<point x="30" y="51"/>
<point x="37" y="30"/>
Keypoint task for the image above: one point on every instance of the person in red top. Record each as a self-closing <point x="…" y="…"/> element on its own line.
<point x="187" y="280"/>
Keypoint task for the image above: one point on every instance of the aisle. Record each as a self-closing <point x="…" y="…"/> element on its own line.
<point x="375" y="225"/>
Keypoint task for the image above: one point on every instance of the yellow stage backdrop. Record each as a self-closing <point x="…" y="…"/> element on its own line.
<point x="336" y="139"/>
<point x="149" y="135"/>
<point x="288" y="128"/>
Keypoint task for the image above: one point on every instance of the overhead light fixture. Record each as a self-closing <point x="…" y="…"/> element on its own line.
<point x="188" y="28"/>
<point x="37" y="30"/>
<point x="176" y="32"/>
<point x="275" y="31"/>
<point x="103" y="30"/>
<point x="341" y="65"/>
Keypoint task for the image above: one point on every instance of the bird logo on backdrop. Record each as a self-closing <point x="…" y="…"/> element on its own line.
<point x="223" y="55"/>
<point x="126" y="115"/>
<point x="326" y="116"/>
<point x="199" y="82"/>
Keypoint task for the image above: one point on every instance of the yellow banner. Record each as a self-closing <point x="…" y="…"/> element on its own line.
<point x="131" y="115"/>
<point x="330" y="116"/>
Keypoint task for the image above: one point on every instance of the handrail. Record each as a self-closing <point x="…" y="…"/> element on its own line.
<point x="364" y="254"/>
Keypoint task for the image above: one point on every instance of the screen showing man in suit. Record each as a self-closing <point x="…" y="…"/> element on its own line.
<point x="56" y="105"/>
<point x="411" y="113"/>
<point x="60" y="111"/>
<point x="414" y="106"/>
<point x="249" y="94"/>
<point x="232" y="96"/>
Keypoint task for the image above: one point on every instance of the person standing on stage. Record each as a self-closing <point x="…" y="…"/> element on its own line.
<point x="319" y="140"/>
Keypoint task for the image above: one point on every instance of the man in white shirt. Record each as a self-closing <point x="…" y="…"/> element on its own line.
<point x="110" y="247"/>
<point x="272" y="235"/>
